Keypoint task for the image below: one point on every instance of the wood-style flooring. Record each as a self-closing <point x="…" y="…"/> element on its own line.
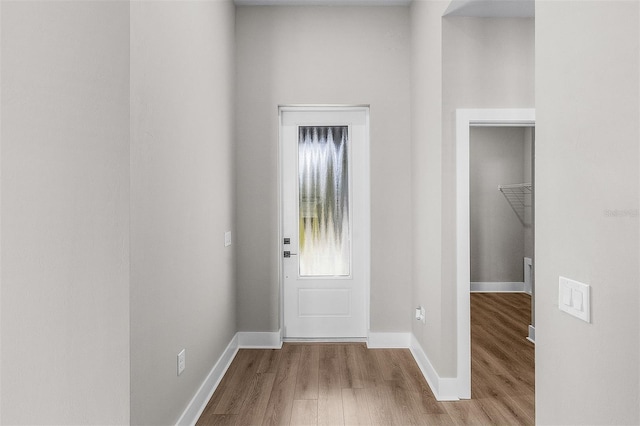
<point x="348" y="384"/>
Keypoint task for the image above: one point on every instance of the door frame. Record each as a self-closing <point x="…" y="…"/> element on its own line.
<point x="466" y="118"/>
<point x="366" y="164"/>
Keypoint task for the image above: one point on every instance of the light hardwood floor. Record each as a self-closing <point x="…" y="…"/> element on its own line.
<point x="336" y="384"/>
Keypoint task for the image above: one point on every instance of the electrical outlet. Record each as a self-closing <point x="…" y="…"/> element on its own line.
<point x="423" y="316"/>
<point x="182" y="362"/>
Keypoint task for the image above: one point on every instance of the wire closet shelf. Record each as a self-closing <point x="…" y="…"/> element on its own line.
<point x="519" y="197"/>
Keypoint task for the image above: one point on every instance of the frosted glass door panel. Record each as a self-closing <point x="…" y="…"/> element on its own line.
<point x="323" y="175"/>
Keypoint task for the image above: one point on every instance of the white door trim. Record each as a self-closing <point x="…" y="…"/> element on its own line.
<point x="367" y="200"/>
<point x="464" y="119"/>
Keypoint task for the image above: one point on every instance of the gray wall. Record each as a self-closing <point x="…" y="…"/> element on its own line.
<point x="587" y="199"/>
<point x="315" y="55"/>
<point x="65" y="212"/>
<point x="496" y="157"/>
<point x="117" y="188"/>
<point x="426" y="156"/>
<point x="529" y="213"/>
<point x="457" y="63"/>
<point x="182" y="200"/>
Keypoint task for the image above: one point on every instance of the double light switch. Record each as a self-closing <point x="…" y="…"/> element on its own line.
<point x="574" y="298"/>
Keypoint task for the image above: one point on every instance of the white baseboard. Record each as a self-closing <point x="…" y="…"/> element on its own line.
<point x="199" y="401"/>
<point x="388" y="340"/>
<point x="259" y="340"/>
<point x="497" y="287"/>
<point x="532" y="334"/>
<point x="443" y="388"/>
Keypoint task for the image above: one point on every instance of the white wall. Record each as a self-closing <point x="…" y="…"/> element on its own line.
<point x="330" y="55"/>
<point x="65" y="212"/>
<point x="182" y="200"/>
<point x="587" y="199"/>
<point x="497" y="230"/>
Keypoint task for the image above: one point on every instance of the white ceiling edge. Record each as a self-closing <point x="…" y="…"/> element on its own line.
<point x="322" y="2"/>
<point x="492" y="8"/>
<point x="471" y="8"/>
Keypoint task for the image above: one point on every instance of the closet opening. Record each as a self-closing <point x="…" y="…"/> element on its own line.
<point x="501" y="213"/>
<point x="466" y="120"/>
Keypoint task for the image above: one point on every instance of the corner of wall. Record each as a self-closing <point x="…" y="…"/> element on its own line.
<point x="443" y="388"/>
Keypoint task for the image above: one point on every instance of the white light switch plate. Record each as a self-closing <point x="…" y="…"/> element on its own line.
<point x="574" y="298"/>
<point x="227" y="238"/>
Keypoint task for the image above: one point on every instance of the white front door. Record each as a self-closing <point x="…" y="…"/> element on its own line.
<point x="325" y="221"/>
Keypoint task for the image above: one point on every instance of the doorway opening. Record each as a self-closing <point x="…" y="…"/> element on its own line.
<point x="501" y="192"/>
<point x="465" y="119"/>
<point x="324" y="228"/>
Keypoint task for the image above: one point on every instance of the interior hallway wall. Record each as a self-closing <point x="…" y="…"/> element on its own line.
<point x="182" y="200"/>
<point x="457" y="63"/>
<point x="587" y="200"/>
<point x="426" y="162"/>
<point x="65" y="212"/>
<point x="323" y="55"/>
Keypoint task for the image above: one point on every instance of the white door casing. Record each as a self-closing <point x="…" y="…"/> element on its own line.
<point x="325" y="307"/>
<point x="466" y="118"/>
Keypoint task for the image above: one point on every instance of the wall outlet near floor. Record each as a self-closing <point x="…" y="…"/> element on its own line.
<point x="182" y="362"/>
<point x="420" y="314"/>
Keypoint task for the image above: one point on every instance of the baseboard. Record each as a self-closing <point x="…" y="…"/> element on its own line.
<point x="259" y="340"/>
<point x="388" y="340"/>
<point x="532" y="334"/>
<point x="199" y="401"/>
<point x="443" y="388"/>
<point x="497" y="287"/>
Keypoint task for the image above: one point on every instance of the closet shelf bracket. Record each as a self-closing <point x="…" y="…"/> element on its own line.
<point x="518" y="196"/>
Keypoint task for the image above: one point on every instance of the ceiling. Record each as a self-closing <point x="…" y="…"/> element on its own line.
<point x="492" y="8"/>
<point x="322" y="2"/>
<point x="474" y="8"/>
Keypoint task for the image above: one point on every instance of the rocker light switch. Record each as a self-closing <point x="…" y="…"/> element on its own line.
<point x="574" y="298"/>
<point x="566" y="296"/>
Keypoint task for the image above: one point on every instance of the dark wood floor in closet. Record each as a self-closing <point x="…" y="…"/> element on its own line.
<point x="348" y="384"/>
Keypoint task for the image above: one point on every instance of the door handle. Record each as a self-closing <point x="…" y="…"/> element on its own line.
<point x="289" y="254"/>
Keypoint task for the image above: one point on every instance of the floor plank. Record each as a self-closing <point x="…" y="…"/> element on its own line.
<point x="307" y="381"/>
<point x="354" y="405"/>
<point x="256" y="402"/>
<point x="280" y="403"/>
<point x="330" y="411"/>
<point x="235" y="391"/>
<point x="304" y="412"/>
